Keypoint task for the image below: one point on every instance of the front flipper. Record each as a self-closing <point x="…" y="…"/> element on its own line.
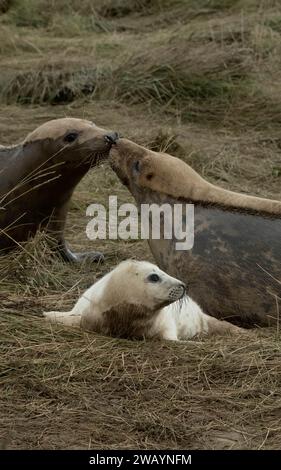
<point x="67" y="318"/>
<point x="55" y="228"/>
<point x="72" y="257"/>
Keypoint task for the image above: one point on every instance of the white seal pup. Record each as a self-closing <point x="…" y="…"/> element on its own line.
<point x="137" y="300"/>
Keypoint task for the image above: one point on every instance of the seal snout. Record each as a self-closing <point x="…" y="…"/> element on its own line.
<point x="111" y="137"/>
<point x="178" y="291"/>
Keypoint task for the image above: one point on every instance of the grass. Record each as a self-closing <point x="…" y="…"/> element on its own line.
<point x="188" y="84"/>
<point x="49" y="85"/>
<point x="200" y="79"/>
<point x="82" y="388"/>
<point x="204" y="69"/>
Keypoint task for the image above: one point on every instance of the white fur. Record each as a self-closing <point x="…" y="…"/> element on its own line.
<point x="178" y="321"/>
<point x="182" y="321"/>
<point x="88" y="303"/>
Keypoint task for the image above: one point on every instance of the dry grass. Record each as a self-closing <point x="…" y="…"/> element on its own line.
<point x="202" y="80"/>
<point x="86" y="391"/>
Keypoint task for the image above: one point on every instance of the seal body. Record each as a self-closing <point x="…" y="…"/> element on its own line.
<point x="137" y="300"/>
<point x="38" y="177"/>
<point x="234" y="267"/>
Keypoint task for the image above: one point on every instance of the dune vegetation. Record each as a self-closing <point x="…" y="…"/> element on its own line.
<point x="202" y="80"/>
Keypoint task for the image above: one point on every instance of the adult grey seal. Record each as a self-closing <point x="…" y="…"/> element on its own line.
<point x="39" y="175"/>
<point x="234" y="267"/>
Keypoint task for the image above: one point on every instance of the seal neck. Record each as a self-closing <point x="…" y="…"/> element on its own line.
<point x="7" y="152"/>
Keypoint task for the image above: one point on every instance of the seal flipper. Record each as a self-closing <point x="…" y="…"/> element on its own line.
<point x="72" y="257"/>
<point x="55" y="227"/>
<point x="67" y="318"/>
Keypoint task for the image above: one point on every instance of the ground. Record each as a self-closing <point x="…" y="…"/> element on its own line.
<point x="200" y="78"/>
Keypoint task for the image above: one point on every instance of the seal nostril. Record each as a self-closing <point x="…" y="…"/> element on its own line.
<point x="184" y="286"/>
<point x="112" y="137"/>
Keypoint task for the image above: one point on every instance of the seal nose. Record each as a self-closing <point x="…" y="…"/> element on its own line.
<point x="112" y="137"/>
<point x="184" y="287"/>
<point x="178" y="291"/>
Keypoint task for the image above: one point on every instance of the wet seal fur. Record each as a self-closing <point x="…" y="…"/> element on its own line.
<point x="234" y="268"/>
<point x="137" y="300"/>
<point x="38" y="177"/>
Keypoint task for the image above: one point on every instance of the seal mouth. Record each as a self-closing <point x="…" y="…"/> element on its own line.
<point x="111" y="138"/>
<point x="94" y="158"/>
<point x="177" y="292"/>
<point x="123" y="178"/>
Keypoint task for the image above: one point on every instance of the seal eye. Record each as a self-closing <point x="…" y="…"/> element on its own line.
<point x="71" y="137"/>
<point x="154" y="278"/>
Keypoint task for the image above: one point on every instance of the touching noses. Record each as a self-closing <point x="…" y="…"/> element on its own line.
<point x="111" y="137"/>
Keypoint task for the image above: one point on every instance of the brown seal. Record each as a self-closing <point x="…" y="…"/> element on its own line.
<point x="39" y="175"/>
<point x="234" y="267"/>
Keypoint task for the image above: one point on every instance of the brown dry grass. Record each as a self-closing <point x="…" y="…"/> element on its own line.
<point x="202" y="80"/>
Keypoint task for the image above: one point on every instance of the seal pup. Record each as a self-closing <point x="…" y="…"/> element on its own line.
<point x="137" y="300"/>
<point x="39" y="175"/>
<point x="237" y="239"/>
